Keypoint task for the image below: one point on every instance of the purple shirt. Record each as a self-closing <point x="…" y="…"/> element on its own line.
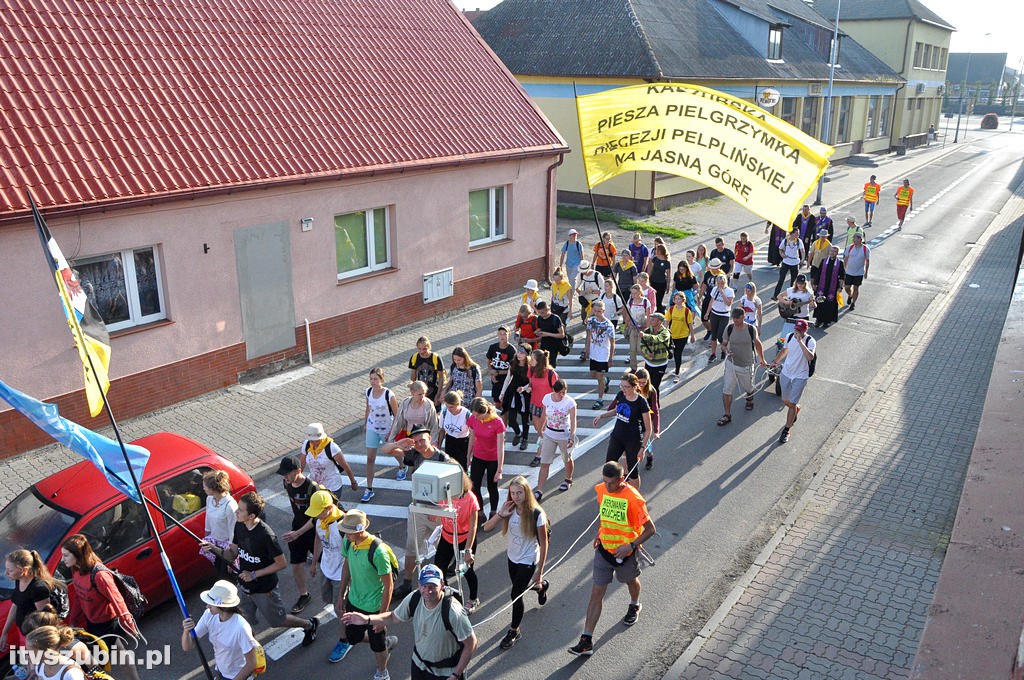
<point x="640" y="254"/>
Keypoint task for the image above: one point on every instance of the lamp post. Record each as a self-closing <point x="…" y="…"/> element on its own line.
<point x="833" y="55"/>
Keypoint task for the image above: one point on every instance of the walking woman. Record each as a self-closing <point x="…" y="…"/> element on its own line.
<point x="791" y="253"/>
<point x="381" y="407"/>
<point x="515" y="403"/>
<point x="461" y="532"/>
<point x="55" y="665"/>
<point x="234" y="647"/>
<point x="701" y="257"/>
<point x="220" y="515"/>
<point x="612" y="303"/>
<point x="525" y="526"/>
<point x="680" y="324"/>
<point x="649" y="392"/>
<point x="659" y="267"/>
<point x="561" y="296"/>
<point x="97" y="604"/>
<point x="455" y="428"/>
<point x="604" y="255"/>
<point x="33" y="584"/>
<point x="638" y="308"/>
<point x="486" y="449"/>
<point x="415" y="410"/>
<point x="718" y="314"/>
<point x="686" y="283"/>
<point x="464" y="376"/>
<point x="542" y="383"/>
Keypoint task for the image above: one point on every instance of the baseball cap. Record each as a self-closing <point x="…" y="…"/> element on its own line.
<point x="800" y="324"/>
<point x="431" y="575"/>
<point x="318" y="501"/>
<point x="573" y="231"/>
<point x="802" y="278"/>
<point x="288" y="464"/>
<point x="658" y="315"/>
<point x="822" y="209"/>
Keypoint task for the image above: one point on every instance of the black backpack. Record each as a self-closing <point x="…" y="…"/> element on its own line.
<point x="59" y="599"/>
<point x="371" y="552"/>
<point x="447" y="594"/>
<point x="128" y="587"/>
<point x="813" y="362"/>
<point x="566" y="346"/>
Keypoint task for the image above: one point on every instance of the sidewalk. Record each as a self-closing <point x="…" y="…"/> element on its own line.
<point x="254" y="425"/>
<point x="844" y="587"/>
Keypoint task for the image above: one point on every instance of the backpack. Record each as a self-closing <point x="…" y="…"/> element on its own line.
<point x="371" y="552"/>
<point x="387" y="398"/>
<point x="566" y="346"/>
<point x="331" y="458"/>
<point x="128" y="587"/>
<point x="547" y="525"/>
<point x="59" y="599"/>
<point x="811" y="364"/>
<point x="750" y="329"/>
<point x="447" y="594"/>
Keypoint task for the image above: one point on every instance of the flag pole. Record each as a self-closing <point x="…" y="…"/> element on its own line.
<point x="79" y="338"/>
<point x="597" y="221"/>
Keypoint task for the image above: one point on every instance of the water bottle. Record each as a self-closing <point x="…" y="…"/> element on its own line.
<point x="20" y="672"/>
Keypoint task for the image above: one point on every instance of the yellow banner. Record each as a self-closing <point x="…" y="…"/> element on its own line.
<point x="761" y="162"/>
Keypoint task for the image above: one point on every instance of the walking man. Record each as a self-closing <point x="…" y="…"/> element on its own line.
<point x="550" y="330"/>
<point x="744" y="264"/>
<point x="571" y="256"/>
<point x="367" y="576"/>
<point x="327" y="556"/>
<point x="443" y="636"/>
<point x="499" y="359"/>
<point x="805" y="224"/>
<point x="590" y="286"/>
<point x="795" y="357"/>
<point x="656" y="346"/>
<point x="428" y="368"/>
<point x="724" y="255"/>
<point x="260" y="556"/>
<point x="872" y="190"/>
<point x="856" y="262"/>
<point x="301" y="538"/>
<point x="600" y="347"/>
<point x="904" y="202"/>
<point x="624" y="526"/>
<point x="739" y="362"/>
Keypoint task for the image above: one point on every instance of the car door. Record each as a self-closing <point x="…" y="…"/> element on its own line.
<point x="183" y="500"/>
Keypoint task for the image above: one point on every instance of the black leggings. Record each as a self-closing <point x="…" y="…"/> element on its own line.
<point x="520" y="575"/>
<point x="678" y="345"/>
<point x="659" y="294"/>
<point x="457" y="449"/>
<point x="656" y="373"/>
<point x="445" y="559"/>
<point x="792" y="270"/>
<point x="514" y="420"/>
<point x="479" y="469"/>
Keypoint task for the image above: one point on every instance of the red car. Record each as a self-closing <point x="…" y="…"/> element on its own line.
<point x="80" y="500"/>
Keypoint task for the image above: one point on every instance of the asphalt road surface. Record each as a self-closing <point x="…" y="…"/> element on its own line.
<point x="715" y="494"/>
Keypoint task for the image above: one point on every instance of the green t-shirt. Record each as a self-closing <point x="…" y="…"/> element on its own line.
<point x="365" y="587"/>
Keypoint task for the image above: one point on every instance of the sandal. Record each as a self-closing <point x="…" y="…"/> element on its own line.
<point x="724" y="420"/>
<point x="750" y="404"/>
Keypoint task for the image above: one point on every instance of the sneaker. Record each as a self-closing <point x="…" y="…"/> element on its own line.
<point x="511" y="637"/>
<point x="677" y="378"/>
<point x="583" y="356"/>
<point x="585" y="647"/>
<point x="309" y="637"/>
<point x="301" y="603"/>
<point x="535" y="462"/>
<point x="565" y="485"/>
<point x="711" y="359"/>
<point x="632" y="614"/>
<point x="382" y="675"/>
<point x="853" y="306"/>
<point x="367" y="496"/>
<point x="390" y="642"/>
<point x="471" y="605"/>
<point x="523" y="443"/>
<point x="542" y="594"/>
<point x="650" y="461"/>
<point x="401" y="474"/>
<point x="722" y="356"/>
<point x="784" y="437"/>
<point x="538" y="494"/>
<point x="339" y="652"/>
<point x="607" y="382"/>
<point x="598" y="404"/>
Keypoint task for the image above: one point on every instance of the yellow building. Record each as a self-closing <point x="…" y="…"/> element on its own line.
<point x="560" y="48"/>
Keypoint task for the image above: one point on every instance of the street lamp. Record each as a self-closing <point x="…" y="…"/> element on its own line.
<point x="833" y="56"/>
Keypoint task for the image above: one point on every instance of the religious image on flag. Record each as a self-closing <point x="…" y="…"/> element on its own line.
<point x="87" y="327"/>
<point x="101" y="451"/>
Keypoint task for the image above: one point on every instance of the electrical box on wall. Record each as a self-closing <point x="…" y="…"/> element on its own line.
<point x="307" y="223"/>
<point x="438" y="285"/>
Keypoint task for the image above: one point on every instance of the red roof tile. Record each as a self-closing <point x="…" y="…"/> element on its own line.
<point x="108" y="100"/>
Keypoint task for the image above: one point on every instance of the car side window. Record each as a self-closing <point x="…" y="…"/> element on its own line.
<point x="117" y="530"/>
<point x="183" y="496"/>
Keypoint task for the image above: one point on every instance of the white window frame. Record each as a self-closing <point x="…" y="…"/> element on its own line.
<point x="135" y="316"/>
<point x="774" y="50"/>
<point x="371" y="243"/>
<point x="494" y="220"/>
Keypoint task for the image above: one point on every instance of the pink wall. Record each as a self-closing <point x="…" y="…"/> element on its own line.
<point x="429" y="231"/>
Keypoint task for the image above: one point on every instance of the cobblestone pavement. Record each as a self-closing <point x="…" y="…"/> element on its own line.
<point x="843" y="590"/>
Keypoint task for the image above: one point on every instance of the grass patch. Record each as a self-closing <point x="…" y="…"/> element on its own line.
<point x="573" y="212"/>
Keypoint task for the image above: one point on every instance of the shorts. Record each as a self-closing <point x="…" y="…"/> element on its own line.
<point x="374" y="439"/>
<point x="598" y="366"/>
<point x="329" y="589"/>
<point x="113" y="632"/>
<point x="548" y="448"/>
<point x="628" y="571"/>
<point x="354" y="634"/>
<point x="738" y="377"/>
<point x="631" y="449"/>
<point x="536" y="411"/>
<point x="738" y="269"/>
<point x="424" y="526"/>
<point x="901" y="211"/>
<point x="268" y="604"/>
<point x="792" y="388"/>
<point x="869" y="206"/>
<point x="852" y="280"/>
<point x="301" y="547"/>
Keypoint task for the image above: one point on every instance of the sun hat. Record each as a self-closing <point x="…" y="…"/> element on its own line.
<point x="431" y="575"/>
<point x="222" y="594"/>
<point x="419" y="429"/>
<point x="317" y="502"/>
<point x="315" y="431"/>
<point x="584" y="265"/>
<point x="354" y="522"/>
<point x="531" y="284"/>
<point x="715" y="263"/>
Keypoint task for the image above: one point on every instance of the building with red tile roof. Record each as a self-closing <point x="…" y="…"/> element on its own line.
<point x="220" y="171"/>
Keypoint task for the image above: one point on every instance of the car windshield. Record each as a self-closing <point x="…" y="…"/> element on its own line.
<point x="28" y="522"/>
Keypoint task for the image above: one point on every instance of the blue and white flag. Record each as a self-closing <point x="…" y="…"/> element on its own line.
<point x="102" y="452"/>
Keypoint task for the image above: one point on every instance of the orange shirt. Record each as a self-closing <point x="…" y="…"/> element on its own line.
<point x="623" y="515"/>
<point x="871" y="192"/>
<point x="600" y="259"/>
<point x="904" y="195"/>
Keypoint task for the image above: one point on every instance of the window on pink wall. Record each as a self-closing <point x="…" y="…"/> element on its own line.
<point x="362" y="242"/>
<point x="125" y="286"/>
<point x="487" y="215"/>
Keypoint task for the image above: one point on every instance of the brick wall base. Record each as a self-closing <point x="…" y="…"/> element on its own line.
<point x="169" y="384"/>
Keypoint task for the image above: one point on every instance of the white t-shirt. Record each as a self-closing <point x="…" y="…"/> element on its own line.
<point x="523" y="550"/>
<point x="220" y="517"/>
<point x="720" y="297"/>
<point x="331" y="560"/>
<point x="601" y="334"/>
<point x="455" y="425"/>
<point x="380" y="417"/>
<point x="804" y="298"/>
<point x="795" y="365"/>
<point x="792" y="251"/>
<point x="750" y="308"/>
<point x="231" y="640"/>
<point x="557" y="424"/>
<point x="321" y="469"/>
<point x="612" y="306"/>
<point x="72" y="671"/>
